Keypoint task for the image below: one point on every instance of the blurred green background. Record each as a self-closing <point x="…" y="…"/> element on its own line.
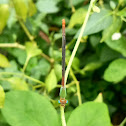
<point x="30" y="50"/>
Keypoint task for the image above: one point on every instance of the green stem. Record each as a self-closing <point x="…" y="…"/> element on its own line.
<point x="47" y="57"/>
<point x="26" y="30"/>
<point x="26" y="63"/>
<point x="78" y="41"/>
<point x="12" y="45"/>
<point x="62" y="116"/>
<point x="26" y="76"/>
<point x="70" y="84"/>
<point x="77" y="85"/>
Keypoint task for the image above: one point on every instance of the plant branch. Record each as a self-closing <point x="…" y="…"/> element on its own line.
<point x="78" y="86"/>
<point x="12" y="45"/>
<point x="31" y="38"/>
<point x="47" y="57"/>
<point x="26" y="63"/>
<point x="26" y="76"/>
<point x="78" y="41"/>
<point x="62" y="116"/>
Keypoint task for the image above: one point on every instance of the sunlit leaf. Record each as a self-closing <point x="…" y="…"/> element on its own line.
<point x="51" y="81"/>
<point x="90" y="114"/>
<point x="32" y="49"/>
<point x="32" y="8"/>
<point x="2" y="97"/>
<point x="21" y="8"/>
<point x="25" y="108"/>
<point x="4" y="61"/>
<point x="4" y="14"/>
<point x="77" y="17"/>
<point x="99" y="98"/>
<point x="18" y="83"/>
<point x="116" y="71"/>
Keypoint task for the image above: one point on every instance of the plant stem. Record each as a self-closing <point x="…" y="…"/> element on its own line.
<point x="31" y="38"/>
<point x="12" y="45"/>
<point x="26" y="63"/>
<point x="78" y="86"/>
<point x="78" y="41"/>
<point x="35" y="80"/>
<point x="62" y="116"/>
<point x="47" y="57"/>
<point x="70" y="84"/>
<point x="26" y="76"/>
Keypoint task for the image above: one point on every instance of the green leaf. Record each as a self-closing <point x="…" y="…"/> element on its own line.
<point x="25" y="108"/>
<point x="116" y="71"/>
<point x="57" y="20"/>
<point x="12" y="18"/>
<point x="122" y="12"/>
<point x="51" y="81"/>
<point x="18" y="83"/>
<point x="99" y="98"/>
<point x="112" y="4"/>
<point x="76" y="63"/>
<point x="19" y="54"/>
<point x="47" y="6"/>
<point x="41" y="69"/>
<point x="108" y="54"/>
<point x="4" y="61"/>
<point x="21" y="8"/>
<point x="97" y="22"/>
<point x="32" y="8"/>
<point x="32" y="49"/>
<point x="2" y="97"/>
<point x="123" y="122"/>
<point x="77" y="17"/>
<point x="118" y="45"/>
<point x="13" y="67"/>
<point x="58" y="71"/>
<point x="94" y="40"/>
<point x="74" y="2"/>
<point x="90" y="114"/>
<point x="92" y="66"/>
<point x="114" y="27"/>
<point x="4" y="14"/>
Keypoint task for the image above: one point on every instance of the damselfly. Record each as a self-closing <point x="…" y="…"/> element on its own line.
<point x="62" y="100"/>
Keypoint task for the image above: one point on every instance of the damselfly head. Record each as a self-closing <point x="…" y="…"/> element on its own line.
<point x="63" y="101"/>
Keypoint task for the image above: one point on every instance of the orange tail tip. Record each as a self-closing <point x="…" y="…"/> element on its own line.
<point x="63" y="22"/>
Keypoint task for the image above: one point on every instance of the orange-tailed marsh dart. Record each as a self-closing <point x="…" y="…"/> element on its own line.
<point x="62" y="100"/>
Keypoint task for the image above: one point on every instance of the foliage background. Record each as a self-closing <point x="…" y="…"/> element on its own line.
<point x="30" y="51"/>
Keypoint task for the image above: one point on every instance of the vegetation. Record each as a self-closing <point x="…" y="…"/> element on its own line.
<point x="31" y="55"/>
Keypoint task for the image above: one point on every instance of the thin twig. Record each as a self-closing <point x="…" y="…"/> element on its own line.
<point x="78" y="86"/>
<point x="78" y="41"/>
<point x="47" y="57"/>
<point x="26" y="76"/>
<point x="12" y="45"/>
<point x="31" y="38"/>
